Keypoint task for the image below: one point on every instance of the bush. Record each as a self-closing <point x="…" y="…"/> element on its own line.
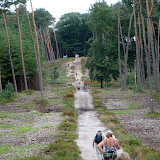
<point x="42" y="102"/>
<point x="29" y="92"/>
<point x="130" y="79"/>
<point x="8" y="93"/>
<point x="56" y="73"/>
<point x="70" y="94"/>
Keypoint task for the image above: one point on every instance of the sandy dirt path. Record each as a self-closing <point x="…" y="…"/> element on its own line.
<point x="88" y="123"/>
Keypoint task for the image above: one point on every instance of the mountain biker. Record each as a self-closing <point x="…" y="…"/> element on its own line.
<point x="109" y="142"/>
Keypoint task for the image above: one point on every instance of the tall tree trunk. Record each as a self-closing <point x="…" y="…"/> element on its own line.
<point x="137" y="48"/>
<point x="38" y="54"/>
<point x="119" y="54"/>
<point x="0" y="80"/>
<point x="57" y="49"/>
<point x="51" y="56"/>
<point x="153" y="54"/>
<point x="44" y="49"/>
<point x="34" y="46"/>
<point x="101" y="83"/>
<point x="158" y="60"/>
<point x="122" y="38"/>
<point x="126" y="55"/>
<point x="155" y="48"/>
<point x="60" y="50"/>
<point x="148" y="54"/>
<point x="141" y="54"/>
<point x="24" y="72"/>
<point x="9" y="52"/>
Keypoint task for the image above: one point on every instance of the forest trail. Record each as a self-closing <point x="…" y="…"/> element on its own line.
<point x="88" y="123"/>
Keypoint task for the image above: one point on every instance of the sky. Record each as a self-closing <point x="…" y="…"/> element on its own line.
<point x="57" y="8"/>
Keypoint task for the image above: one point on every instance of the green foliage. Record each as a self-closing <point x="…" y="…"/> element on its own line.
<point x="130" y="79"/>
<point x="131" y="140"/>
<point x="29" y="92"/>
<point x="6" y="125"/>
<point x="102" y="56"/>
<point x="132" y="106"/>
<point x="68" y="125"/>
<point x="43" y="18"/>
<point x="5" y="149"/>
<point x="113" y="83"/>
<point x="63" y="150"/>
<point x="4" y="115"/>
<point x="56" y="73"/>
<point x="28" y="50"/>
<point x="120" y="112"/>
<point x="24" y="129"/>
<point x="153" y="115"/>
<point x="43" y="102"/>
<point x="55" y="101"/>
<point x="7" y="94"/>
<point x="73" y="33"/>
<point x="30" y="158"/>
<point x="156" y="96"/>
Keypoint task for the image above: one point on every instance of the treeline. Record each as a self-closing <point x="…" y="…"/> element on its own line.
<point x="23" y="46"/>
<point x="125" y="44"/>
<point x="19" y="48"/>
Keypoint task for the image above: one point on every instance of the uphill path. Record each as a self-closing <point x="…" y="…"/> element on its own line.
<point x="88" y="123"/>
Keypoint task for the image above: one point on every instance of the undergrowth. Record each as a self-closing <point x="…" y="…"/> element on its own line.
<point x="129" y="143"/>
<point x="7" y="95"/>
<point x="64" y="146"/>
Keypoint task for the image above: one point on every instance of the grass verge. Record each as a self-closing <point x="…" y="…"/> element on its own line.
<point x="64" y="146"/>
<point x="130" y="144"/>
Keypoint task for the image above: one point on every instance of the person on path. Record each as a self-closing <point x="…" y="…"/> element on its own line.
<point x="98" y="138"/>
<point x="78" y="86"/>
<point x="84" y="88"/>
<point x="108" y="142"/>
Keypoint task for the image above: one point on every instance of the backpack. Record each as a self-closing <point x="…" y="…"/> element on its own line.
<point x="110" y="152"/>
<point x="98" y="138"/>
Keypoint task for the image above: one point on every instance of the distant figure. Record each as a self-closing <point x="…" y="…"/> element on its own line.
<point x="78" y="87"/>
<point x="76" y="56"/>
<point x="65" y="56"/>
<point x="123" y="156"/>
<point x="84" y="88"/>
<point x="76" y="74"/>
<point x="68" y="64"/>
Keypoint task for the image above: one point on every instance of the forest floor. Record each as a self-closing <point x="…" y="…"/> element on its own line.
<point x="131" y="109"/>
<point x="26" y="127"/>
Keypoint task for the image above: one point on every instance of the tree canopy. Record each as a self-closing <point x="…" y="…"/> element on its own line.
<point x="102" y="56"/>
<point x="72" y="32"/>
<point x="43" y="18"/>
